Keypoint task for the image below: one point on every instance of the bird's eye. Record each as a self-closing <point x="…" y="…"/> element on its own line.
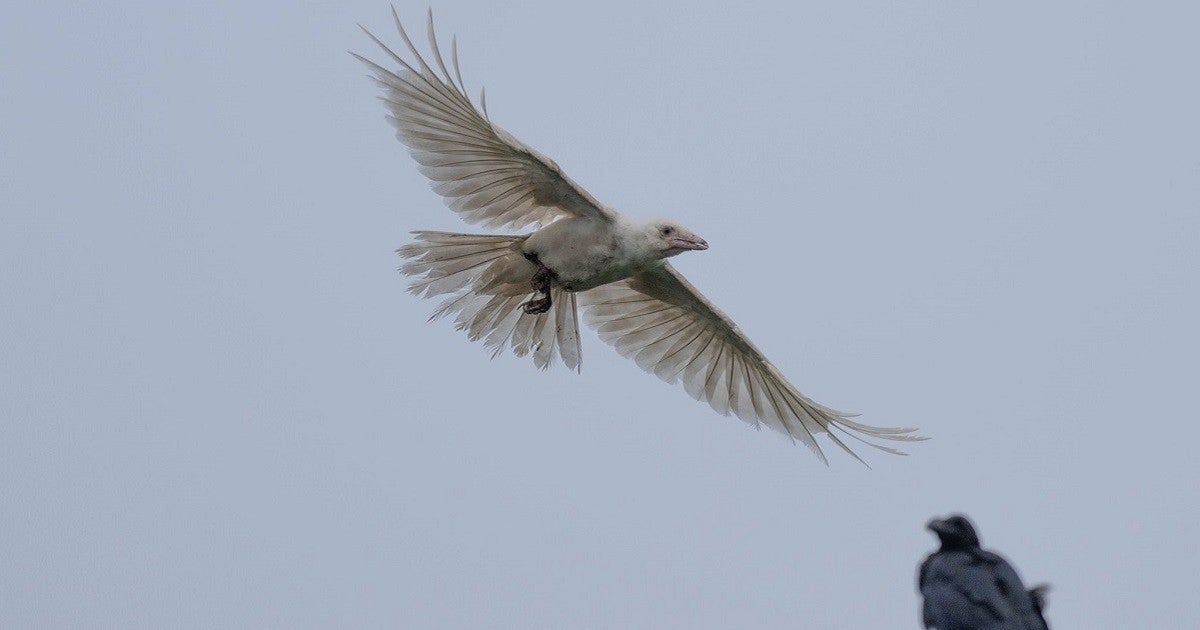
<point x="666" y="230"/>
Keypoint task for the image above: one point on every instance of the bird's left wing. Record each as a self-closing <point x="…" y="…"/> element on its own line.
<point x="1024" y="603"/>
<point x="662" y="322"/>
<point x="484" y="173"/>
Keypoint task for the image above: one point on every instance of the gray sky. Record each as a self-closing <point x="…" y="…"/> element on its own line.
<point x="221" y="409"/>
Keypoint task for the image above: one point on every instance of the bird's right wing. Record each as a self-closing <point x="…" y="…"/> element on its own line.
<point x="484" y="173"/>
<point x="662" y="322"/>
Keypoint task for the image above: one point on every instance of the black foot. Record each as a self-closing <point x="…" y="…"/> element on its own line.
<point x="538" y="306"/>
<point x="541" y="279"/>
<point x="540" y="283"/>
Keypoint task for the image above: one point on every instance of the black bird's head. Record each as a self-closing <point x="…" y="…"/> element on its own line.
<point x="955" y="532"/>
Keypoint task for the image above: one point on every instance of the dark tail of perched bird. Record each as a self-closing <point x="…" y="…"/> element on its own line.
<point x="1039" y="593"/>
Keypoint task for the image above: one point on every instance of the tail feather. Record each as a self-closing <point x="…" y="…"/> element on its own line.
<point x="567" y="331"/>
<point x="486" y="280"/>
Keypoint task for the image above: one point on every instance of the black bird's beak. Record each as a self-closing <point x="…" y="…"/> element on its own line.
<point x="939" y="526"/>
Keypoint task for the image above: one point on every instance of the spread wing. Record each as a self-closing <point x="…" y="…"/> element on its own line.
<point x="662" y="322"/>
<point x="484" y="173"/>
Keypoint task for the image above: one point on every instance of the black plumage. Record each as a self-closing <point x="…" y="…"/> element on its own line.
<point x="968" y="588"/>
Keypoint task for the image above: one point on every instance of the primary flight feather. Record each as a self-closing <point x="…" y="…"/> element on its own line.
<point x="524" y="291"/>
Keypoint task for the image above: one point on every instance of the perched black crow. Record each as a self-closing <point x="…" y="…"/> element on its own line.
<point x="967" y="588"/>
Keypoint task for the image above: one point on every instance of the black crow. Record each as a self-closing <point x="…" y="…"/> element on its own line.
<point x="967" y="588"/>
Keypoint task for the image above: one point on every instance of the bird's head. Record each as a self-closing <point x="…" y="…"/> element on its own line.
<point x="667" y="238"/>
<point x="955" y="532"/>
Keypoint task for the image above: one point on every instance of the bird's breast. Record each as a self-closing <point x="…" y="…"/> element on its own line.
<point x="583" y="254"/>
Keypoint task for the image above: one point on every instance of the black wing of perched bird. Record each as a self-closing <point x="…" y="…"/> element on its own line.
<point x="967" y="588"/>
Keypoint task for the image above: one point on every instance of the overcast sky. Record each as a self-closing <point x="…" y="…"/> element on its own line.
<point x="221" y="409"/>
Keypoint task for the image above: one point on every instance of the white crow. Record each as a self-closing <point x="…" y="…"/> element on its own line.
<point x="524" y="291"/>
<point x="967" y="588"/>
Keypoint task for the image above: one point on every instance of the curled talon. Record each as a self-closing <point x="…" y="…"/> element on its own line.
<point x="538" y="306"/>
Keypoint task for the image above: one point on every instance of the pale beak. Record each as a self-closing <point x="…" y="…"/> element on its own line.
<point x="687" y="241"/>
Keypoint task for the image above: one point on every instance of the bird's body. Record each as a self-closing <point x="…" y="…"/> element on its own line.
<point x="524" y="291"/>
<point x="968" y="588"/>
<point x="584" y="253"/>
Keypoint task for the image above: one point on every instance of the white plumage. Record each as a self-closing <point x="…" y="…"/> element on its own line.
<point x="582" y="254"/>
